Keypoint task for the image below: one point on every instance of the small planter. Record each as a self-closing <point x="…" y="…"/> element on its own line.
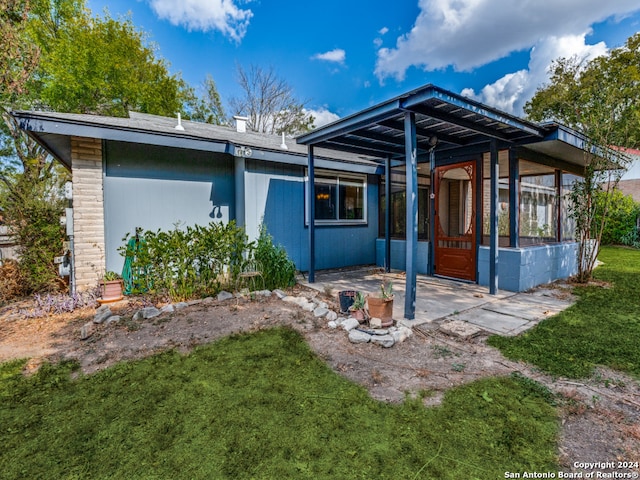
<point x="110" y="291"/>
<point x="381" y="308"/>
<point x="346" y="299"/>
<point x="358" y="315"/>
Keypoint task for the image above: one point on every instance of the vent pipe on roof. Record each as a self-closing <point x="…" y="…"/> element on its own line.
<point x="179" y="125"/>
<point x="241" y="123"/>
<point x="283" y="145"/>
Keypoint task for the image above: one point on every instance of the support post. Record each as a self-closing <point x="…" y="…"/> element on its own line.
<point x="514" y="199"/>
<point x="240" y="167"/>
<point x="412" y="214"/>
<point x="432" y="212"/>
<point x="559" y="205"/>
<point x="494" y="167"/>
<point x="312" y="216"/>
<point x="387" y="215"/>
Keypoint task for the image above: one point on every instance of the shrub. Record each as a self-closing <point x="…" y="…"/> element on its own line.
<point x="278" y="269"/>
<point x="185" y="263"/>
<point x="621" y="217"/>
<point x="32" y="213"/>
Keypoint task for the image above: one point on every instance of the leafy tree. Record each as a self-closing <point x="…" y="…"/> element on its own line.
<point x="601" y="99"/>
<point x="269" y="103"/>
<point x="18" y="57"/>
<point x="208" y="108"/>
<point x="86" y="65"/>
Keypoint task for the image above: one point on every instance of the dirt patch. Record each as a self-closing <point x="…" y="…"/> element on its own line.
<point x="599" y="416"/>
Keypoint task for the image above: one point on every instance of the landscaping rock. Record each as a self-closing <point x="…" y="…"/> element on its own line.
<point x="147" y="312"/>
<point x="102" y="313"/>
<point x="459" y="328"/>
<point x="375" y="322"/>
<point x="181" y="305"/>
<point x="401" y="334"/>
<point x="357" y="336"/>
<point x="263" y="293"/>
<point x="386" y="341"/>
<point x="350" y="323"/>
<point x="331" y="316"/>
<point x="168" y="309"/>
<point x="323" y="305"/>
<point x="87" y="330"/>
<point x="332" y="325"/>
<point x="279" y="293"/>
<point x="112" y="319"/>
<point x="222" y="296"/>
<point x="320" y="312"/>
<point x="309" y="307"/>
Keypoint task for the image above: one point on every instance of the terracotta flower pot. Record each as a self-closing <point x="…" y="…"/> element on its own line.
<point x="110" y="291"/>
<point x="381" y="308"/>
<point x="358" y="315"/>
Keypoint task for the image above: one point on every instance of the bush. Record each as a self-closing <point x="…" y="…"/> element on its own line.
<point x="196" y="261"/>
<point x="621" y="217"/>
<point x="278" y="269"/>
<point x="32" y="213"/>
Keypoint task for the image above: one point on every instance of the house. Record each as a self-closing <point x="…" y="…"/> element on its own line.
<point x="428" y="182"/>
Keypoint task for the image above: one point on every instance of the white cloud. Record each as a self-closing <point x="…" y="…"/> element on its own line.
<point x="337" y="55"/>
<point x="512" y="91"/>
<point x="205" y="15"/>
<point x="383" y="30"/>
<point x="466" y="34"/>
<point x="322" y="116"/>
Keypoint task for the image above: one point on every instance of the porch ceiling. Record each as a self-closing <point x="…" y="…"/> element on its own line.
<point x="462" y="127"/>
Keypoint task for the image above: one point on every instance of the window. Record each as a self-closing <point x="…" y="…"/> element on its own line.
<point x="339" y="198"/>
<point x="398" y="207"/>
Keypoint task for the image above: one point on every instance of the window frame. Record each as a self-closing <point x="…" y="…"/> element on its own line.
<point x="333" y="177"/>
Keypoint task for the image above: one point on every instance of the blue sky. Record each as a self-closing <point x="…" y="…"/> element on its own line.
<point x="341" y="56"/>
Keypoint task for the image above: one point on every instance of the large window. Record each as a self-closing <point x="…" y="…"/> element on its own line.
<point x="538" y="204"/>
<point x="339" y="198"/>
<point x="398" y="208"/>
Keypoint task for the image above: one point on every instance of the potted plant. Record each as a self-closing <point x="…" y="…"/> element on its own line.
<point x="358" y="306"/>
<point x="382" y="306"/>
<point x="110" y="288"/>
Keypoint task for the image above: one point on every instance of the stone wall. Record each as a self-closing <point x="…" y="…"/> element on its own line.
<point x="88" y="211"/>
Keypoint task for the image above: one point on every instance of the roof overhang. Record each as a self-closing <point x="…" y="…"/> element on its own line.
<point x="54" y="131"/>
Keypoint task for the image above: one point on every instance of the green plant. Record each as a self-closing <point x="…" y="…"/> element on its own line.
<point x="277" y="268"/>
<point x="359" y="302"/>
<point x="185" y="263"/>
<point x="111" y="275"/>
<point x="386" y="291"/>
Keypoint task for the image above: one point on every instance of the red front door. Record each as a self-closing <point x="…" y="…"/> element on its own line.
<point x="455" y="235"/>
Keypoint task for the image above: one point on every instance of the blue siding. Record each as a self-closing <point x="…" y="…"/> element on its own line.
<point x="158" y="187"/>
<point x="275" y="193"/>
<point x="520" y="269"/>
<point x="399" y="255"/>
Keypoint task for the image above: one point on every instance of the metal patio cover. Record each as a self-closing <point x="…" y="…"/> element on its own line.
<point x="428" y="123"/>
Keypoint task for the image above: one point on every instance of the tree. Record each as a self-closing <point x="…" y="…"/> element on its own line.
<point x="269" y="103"/>
<point x="105" y="67"/>
<point x="208" y="108"/>
<point x="18" y="57"/>
<point x="86" y="65"/>
<point x="601" y="99"/>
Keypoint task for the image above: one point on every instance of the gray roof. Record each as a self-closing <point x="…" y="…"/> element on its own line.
<point x="54" y="130"/>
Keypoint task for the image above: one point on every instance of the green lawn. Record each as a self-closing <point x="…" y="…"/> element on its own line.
<point x="261" y="405"/>
<point x="603" y="328"/>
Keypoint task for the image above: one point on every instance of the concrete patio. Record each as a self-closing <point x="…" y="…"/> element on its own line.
<point x="463" y="308"/>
